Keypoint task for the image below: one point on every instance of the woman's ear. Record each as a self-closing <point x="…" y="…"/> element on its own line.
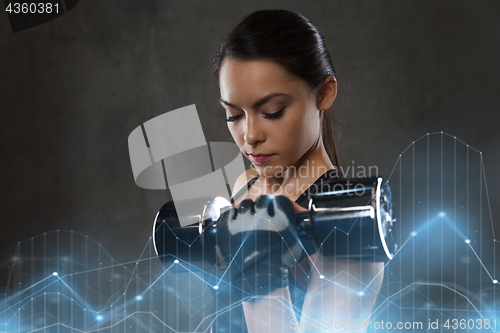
<point x="327" y="93"/>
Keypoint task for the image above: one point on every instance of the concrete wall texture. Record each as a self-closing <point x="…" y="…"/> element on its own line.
<point x="73" y="89"/>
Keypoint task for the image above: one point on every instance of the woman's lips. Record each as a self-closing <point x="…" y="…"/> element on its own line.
<point x="260" y="158"/>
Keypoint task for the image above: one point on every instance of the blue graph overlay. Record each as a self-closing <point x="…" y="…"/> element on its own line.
<point x="445" y="270"/>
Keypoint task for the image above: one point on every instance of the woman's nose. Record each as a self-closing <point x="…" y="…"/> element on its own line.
<point x="254" y="133"/>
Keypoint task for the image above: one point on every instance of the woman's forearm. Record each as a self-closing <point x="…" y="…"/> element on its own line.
<point x="341" y="293"/>
<point x="272" y="313"/>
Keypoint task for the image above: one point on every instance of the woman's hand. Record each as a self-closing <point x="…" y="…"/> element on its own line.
<point x="259" y="242"/>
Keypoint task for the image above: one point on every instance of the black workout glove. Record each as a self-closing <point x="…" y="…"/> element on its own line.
<point x="259" y="243"/>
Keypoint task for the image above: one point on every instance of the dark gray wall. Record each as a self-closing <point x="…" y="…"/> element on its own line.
<point x="72" y="90"/>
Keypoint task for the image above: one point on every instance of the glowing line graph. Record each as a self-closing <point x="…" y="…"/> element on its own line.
<point x="398" y="161"/>
<point x="59" y="278"/>
<point x="87" y="307"/>
<point x="115" y="310"/>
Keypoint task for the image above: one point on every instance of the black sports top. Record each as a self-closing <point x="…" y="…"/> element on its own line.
<point x="233" y="321"/>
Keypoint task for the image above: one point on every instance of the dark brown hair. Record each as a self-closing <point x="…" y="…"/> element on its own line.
<point x="293" y="42"/>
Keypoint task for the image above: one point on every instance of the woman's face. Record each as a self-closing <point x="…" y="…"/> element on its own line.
<point x="272" y="115"/>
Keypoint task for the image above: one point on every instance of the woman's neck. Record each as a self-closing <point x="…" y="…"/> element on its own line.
<point x="312" y="165"/>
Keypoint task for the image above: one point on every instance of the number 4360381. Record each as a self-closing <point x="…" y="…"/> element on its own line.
<point x="32" y="8"/>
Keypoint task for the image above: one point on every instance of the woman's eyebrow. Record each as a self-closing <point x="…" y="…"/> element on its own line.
<point x="258" y="103"/>
<point x="228" y="104"/>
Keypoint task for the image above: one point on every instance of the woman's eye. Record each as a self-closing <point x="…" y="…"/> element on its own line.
<point x="274" y="115"/>
<point x="231" y="119"/>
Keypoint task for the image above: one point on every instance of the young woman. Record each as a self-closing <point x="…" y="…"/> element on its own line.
<point x="277" y="83"/>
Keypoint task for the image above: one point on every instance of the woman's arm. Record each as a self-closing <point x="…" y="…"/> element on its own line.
<point x="344" y="295"/>
<point x="340" y="291"/>
<point x="271" y="313"/>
